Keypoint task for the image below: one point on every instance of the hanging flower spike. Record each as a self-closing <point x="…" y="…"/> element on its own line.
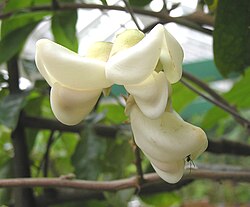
<point x="167" y="141"/>
<point x="135" y="66"/>
<point x="76" y="82"/>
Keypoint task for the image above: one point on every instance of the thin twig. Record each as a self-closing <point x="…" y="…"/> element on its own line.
<point x="138" y="165"/>
<point x="45" y="161"/>
<point x="193" y="20"/>
<point x="244" y="122"/>
<point x="235" y="175"/>
<point x="131" y="12"/>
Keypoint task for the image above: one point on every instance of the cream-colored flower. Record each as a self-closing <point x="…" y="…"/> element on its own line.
<point x="76" y="82"/>
<point x="167" y="141"/>
<point x="138" y="67"/>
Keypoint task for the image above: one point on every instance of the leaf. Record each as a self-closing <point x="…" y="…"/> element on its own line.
<point x="212" y="4"/>
<point x="232" y="36"/>
<point x="114" y="113"/>
<point x="16" y="4"/>
<point x="5" y="172"/>
<point x="104" y="2"/>
<point x="139" y="3"/>
<point x="162" y="199"/>
<point x="119" y="198"/>
<point x="10" y="108"/>
<point x="182" y="96"/>
<point x="30" y="68"/>
<point x="12" y="43"/>
<point x="238" y="96"/>
<point x="87" y="158"/>
<point x="64" y="29"/>
<point x="20" y="20"/>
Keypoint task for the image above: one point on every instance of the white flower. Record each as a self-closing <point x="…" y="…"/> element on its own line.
<point x="167" y="141"/>
<point x="135" y="67"/>
<point x="76" y="82"/>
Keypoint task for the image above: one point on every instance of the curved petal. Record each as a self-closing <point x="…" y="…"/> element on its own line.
<point x="172" y="58"/>
<point x="100" y="51"/>
<point x="151" y="95"/>
<point x="172" y="176"/>
<point x="168" y="135"/>
<point x="135" y="64"/>
<point x="58" y="64"/>
<point x="72" y="106"/>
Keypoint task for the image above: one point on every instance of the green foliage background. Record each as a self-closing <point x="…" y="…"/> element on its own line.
<point x="91" y="156"/>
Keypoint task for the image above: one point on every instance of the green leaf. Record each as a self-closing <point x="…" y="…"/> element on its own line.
<point x="114" y="113"/>
<point x="139" y="3"/>
<point x="64" y="29"/>
<point x="238" y="96"/>
<point x="10" y="108"/>
<point x="87" y="158"/>
<point x="212" y="4"/>
<point x="232" y="36"/>
<point x="119" y="198"/>
<point x="20" y="20"/>
<point x="16" y="4"/>
<point x="182" y="96"/>
<point x="162" y="199"/>
<point x="12" y="43"/>
<point x="104" y="2"/>
<point x="5" y="172"/>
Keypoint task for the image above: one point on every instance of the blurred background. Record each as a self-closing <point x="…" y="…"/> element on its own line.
<point x="213" y="94"/>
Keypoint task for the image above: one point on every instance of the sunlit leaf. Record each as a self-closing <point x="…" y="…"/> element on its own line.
<point x="114" y="113"/>
<point x="182" y="96"/>
<point x="232" y="36"/>
<point x="238" y="97"/>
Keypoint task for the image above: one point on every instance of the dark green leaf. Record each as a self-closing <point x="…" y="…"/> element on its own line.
<point x="139" y="3"/>
<point x="64" y="29"/>
<point x="10" y="108"/>
<point x="87" y="158"/>
<point x="12" y="44"/>
<point x="104" y="2"/>
<point x="232" y="36"/>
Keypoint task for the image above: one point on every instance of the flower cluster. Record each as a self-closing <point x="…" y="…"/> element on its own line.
<point x="146" y="65"/>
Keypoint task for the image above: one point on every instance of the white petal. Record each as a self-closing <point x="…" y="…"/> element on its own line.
<point x="167" y="135"/>
<point x="58" y="64"/>
<point x="172" y="58"/>
<point x="151" y="95"/>
<point x="135" y="64"/>
<point x="72" y="106"/>
<point x="172" y="176"/>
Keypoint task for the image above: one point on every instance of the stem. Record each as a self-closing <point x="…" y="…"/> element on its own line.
<point x="194" y="20"/>
<point x="114" y="185"/>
